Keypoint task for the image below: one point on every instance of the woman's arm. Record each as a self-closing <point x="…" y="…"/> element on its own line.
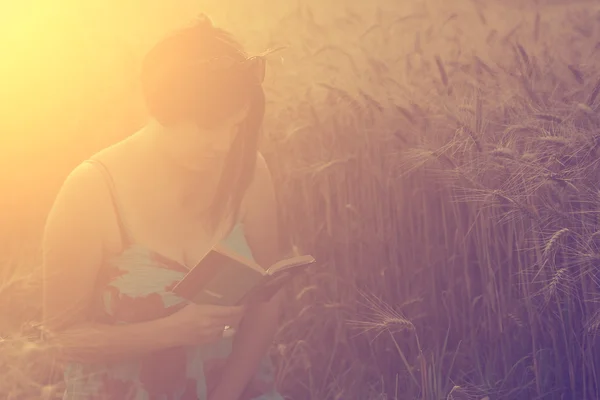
<point x="255" y="335"/>
<point x="73" y="247"/>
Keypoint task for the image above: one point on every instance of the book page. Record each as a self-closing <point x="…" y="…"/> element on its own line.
<point x="290" y="263"/>
<point x="242" y="260"/>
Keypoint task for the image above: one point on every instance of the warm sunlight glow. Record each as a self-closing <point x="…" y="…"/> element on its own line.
<point x="438" y="158"/>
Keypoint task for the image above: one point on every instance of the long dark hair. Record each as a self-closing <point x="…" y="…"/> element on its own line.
<point x="185" y="78"/>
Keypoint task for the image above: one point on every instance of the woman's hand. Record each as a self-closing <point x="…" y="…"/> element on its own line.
<point x="202" y="324"/>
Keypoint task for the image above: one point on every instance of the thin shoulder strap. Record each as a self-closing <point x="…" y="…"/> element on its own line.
<point x="123" y="230"/>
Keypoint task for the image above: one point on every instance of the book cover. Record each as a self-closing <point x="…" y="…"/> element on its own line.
<point x="224" y="277"/>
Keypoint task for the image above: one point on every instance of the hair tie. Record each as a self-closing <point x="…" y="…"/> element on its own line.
<point x="204" y="21"/>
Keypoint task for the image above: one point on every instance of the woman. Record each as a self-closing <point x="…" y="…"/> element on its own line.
<point x="130" y="222"/>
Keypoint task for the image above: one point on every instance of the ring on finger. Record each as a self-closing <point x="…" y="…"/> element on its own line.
<point x="228" y="331"/>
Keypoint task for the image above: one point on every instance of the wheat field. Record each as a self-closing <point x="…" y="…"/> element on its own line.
<point x="439" y="158"/>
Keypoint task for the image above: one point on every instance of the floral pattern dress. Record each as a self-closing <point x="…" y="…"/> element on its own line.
<point x="135" y="286"/>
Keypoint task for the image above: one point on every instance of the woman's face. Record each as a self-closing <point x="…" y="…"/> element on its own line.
<point x="216" y="143"/>
<point x="201" y="148"/>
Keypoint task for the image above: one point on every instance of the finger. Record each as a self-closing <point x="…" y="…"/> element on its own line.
<point x="217" y="330"/>
<point x="223" y="310"/>
<point x="227" y="315"/>
<point x="237" y="320"/>
<point x="229" y="320"/>
<point x="215" y="333"/>
<point x="213" y="338"/>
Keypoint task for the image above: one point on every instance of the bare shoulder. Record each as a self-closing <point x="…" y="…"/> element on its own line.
<point x="86" y="185"/>
<point x="82" y="185"/>
<point x="85" y="200"/>
<point x="81" y="204"/>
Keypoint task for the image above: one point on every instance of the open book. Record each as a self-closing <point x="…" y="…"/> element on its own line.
<point x="223" y="277"/>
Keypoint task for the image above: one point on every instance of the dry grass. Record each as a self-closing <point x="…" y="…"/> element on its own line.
<point x="442" y="165"/>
